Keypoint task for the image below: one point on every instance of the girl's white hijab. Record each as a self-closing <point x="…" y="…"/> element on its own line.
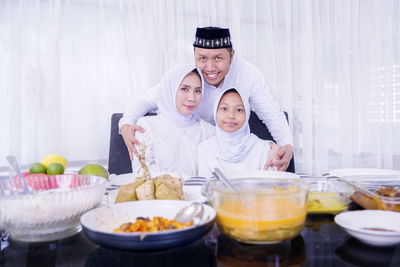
<point x="167" y="100"/>
<point x="235" y="146"/>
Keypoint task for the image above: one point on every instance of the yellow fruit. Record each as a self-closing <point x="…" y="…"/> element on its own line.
<point x="94" y="169"/>
<point x="55" y="168"/>
<point x="37" y="168"/>
<point x="53" y="158"/>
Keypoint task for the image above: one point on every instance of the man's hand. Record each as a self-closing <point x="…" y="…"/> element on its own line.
<point x="279" y="157"/>
<point x="272" y="157"/>
<point x="128" y="133"/>
<point x="285" y="154"/>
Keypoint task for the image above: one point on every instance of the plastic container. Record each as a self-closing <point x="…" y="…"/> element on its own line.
<point x="277" y="210"/>
<point x="366" y="187"/>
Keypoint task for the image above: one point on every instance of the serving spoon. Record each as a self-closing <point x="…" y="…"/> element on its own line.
<point x="193" y="212"/>
<point x="218" y="173"/>
<point x="14" y="164"/>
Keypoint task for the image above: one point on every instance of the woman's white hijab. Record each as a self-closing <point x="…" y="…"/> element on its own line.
<point x="235" y="146"/>
<point x="167" y="101"/>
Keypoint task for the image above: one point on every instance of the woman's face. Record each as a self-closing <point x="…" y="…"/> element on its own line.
<point x="231" y="113"/>
<point x="188" y="96"/>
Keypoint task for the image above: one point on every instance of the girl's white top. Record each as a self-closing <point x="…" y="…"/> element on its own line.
<point x="239" y="150"/>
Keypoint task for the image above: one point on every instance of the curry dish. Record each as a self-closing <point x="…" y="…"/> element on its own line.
<point x="146" y="225"/>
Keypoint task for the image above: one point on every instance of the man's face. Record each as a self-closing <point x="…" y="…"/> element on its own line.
<point x="231" y="114"/>
<point x="213" y="63"/>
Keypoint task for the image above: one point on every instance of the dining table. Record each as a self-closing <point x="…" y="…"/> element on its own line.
<point x="321" y="243"/>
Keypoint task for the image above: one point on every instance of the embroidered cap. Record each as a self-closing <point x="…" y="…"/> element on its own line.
<point x="212" y="38"/>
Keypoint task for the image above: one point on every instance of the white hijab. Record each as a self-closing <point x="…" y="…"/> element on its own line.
<point x="167" y="101"/>
<point x="235" y="146"/>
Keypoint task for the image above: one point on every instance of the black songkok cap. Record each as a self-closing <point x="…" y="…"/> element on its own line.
<point x="212" y="38"/>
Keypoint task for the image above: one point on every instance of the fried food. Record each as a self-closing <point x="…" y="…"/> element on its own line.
<point x="146" y="188"/>
<point x="389" y="191"/>
<point x="128" y="192"/>
<point x="166" y="188"/>
<point x="174" y="183"/>
<point x="146" y="191"/>
<point x="381" y="201"/>
<point x="146" y="225"/>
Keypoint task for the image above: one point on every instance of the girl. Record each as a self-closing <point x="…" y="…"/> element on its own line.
<point x="233" y="147"/>
<point x="171" y="137"/>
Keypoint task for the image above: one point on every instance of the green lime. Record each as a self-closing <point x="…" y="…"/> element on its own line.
<point x="37" y="168"/>
<point x="94" y="169"/>
<point x="55" y="168"/>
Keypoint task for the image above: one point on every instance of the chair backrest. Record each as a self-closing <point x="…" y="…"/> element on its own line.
<point x="119" y="161"/>
<point x="118" y="157"/>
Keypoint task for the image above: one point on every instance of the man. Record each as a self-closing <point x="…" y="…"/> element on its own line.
<point x="214" y="57"/>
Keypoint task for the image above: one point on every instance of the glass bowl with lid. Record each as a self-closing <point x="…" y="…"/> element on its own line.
<point x="276" y="212"/>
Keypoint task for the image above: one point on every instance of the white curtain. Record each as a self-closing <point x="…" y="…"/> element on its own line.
<point x="66" y="66"/>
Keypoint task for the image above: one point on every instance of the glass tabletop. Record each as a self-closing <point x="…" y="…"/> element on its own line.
<point x="321" y="242"/>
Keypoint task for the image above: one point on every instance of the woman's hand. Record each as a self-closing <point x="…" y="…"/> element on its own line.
<point x="128" y="133"/>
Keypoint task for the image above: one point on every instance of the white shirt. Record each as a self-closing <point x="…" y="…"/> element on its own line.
<point x="171" y="148"/>
<point x="208" y="158"/>
<point x="243" y="76"/>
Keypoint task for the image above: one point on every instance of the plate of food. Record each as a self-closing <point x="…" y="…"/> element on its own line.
<point x="373" y="227"/>
<point x="130" y="225"/>
<point x="327" y="196"/>
<point x="372" y="193"/>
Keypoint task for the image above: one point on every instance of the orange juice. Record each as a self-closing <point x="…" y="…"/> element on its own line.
<point x="267" y="220"/>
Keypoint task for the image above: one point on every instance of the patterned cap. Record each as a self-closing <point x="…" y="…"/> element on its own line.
<point x="212" y="38"/>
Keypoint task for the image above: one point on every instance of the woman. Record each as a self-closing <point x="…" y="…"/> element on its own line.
<point x="172" y="136"/>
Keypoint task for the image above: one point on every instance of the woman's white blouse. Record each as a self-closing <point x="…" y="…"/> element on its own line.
<point x="171" y="148"/>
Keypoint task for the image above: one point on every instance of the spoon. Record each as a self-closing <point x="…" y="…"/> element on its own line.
<point x="218" y="173"/>
<point x="192" y="212"/>
<point x="14" y="164"/>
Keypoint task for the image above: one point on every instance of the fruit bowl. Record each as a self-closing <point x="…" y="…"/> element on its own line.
<point x="276" y="210"/>
<point x="52" y="211"/>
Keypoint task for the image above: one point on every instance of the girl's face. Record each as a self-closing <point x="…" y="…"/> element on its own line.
<point x="188" y="96"/>
<point x="231" y="113"/>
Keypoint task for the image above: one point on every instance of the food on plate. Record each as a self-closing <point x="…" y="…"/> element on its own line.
<point x="55" y="168"/>
<point x="326" y="202"/>
<point x="94" y="169"/>
<point x="146" y="188"/>
<point x="385" y="198"/>
<point x="53" y="158"/>
<point x="127" y="192"/>
<point x="266" y="219"/>
<point x="389" y="191"/>
<point x="146" y="225"/>
<point x="146" y="191"/>
<point x="37" y="168"/>
<point x="162" y="187"/>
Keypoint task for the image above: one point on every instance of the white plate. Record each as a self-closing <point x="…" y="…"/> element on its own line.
<point x="127" y="178"/>
<point x="99" y="224"/>
<point x="355" y="222"/>
<point x="362" y="171"/>
<point x="261" y="174"/>
<point x="191" y="193"/>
